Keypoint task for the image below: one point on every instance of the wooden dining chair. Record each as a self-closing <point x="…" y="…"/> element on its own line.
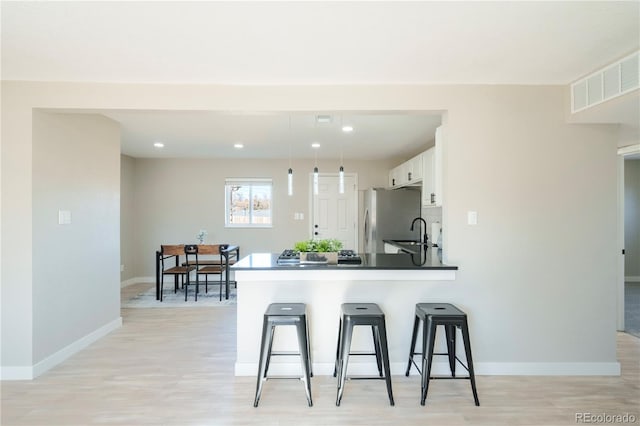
<point x="173" y="251"/>
<point x="191" y="261"/>
<point x="215" y="266"/>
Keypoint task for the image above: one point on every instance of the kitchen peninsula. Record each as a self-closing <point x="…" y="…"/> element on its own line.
<point x="396" y="282"/>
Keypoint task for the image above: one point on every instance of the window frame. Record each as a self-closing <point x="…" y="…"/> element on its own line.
<point x="251" y="182"/>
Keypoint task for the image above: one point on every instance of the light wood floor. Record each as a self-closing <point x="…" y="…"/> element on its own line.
<point x="175" y="367"/>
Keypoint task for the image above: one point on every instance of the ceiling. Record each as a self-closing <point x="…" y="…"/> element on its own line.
<point x="306" y="43"/>
<point x="275" y="135"/>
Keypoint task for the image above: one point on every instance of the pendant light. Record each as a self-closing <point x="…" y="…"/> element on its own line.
<point x="341" y="169"/>
<point x="315" y="175"/>
<point x="290" y="173"/>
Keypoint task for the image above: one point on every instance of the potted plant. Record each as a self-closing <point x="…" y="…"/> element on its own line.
<point x="318" y="251"/>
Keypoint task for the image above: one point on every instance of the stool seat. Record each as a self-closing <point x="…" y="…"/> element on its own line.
<point x="359" y="314"/>
<point x="432" y="315"/>
<point x="442" y="310"/>
<point x="361" y="311"/>
<point x="285" y="314"/>
<point x="286" y="310"/>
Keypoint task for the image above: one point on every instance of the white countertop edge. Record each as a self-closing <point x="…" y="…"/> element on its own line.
<point x="347" y="275"/>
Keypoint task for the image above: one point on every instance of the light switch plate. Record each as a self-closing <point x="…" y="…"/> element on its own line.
<point x="64" y="217"/>
<point x="472" y="218"/>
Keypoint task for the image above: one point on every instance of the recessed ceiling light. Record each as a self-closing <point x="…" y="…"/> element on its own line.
<point x="158" y="144"/>
<point x="238" y="145"/>
<point x="315" y="145"/>
<point x="347" y="129"/>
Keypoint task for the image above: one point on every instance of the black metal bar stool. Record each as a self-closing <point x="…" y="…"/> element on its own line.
<point x="369" y="314"/>
<point x="285" y="314"/>
<point x="449" y="316"/>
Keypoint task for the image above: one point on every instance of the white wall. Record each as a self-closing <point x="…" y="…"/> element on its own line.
<point x="537" y="273"/>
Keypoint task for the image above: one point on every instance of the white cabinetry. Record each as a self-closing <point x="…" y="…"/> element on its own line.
<point x="428" y="184"/>
<point x="432" y="170"/>
<point x="408" y="173"/>
<point x="414" y="169"/>
<point x="394" y="175"/>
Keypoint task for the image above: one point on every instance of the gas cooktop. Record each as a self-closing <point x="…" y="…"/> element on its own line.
<point x="344" y="257"/>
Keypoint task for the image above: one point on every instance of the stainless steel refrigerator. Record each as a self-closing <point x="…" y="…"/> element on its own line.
<point x="388" y="215"/>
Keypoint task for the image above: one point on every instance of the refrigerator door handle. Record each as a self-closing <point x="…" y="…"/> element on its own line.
<point x="366" y="230"/>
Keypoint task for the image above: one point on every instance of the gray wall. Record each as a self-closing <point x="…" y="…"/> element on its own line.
<point x="128" y="229"/>
<point x="632" y="218"/>
<point x="175" y="198"/>
<point x="528" y="266"/>
<point x="76" y="167"/>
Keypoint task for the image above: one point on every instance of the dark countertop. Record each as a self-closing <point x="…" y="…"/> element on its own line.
<point x="429" y="259"/>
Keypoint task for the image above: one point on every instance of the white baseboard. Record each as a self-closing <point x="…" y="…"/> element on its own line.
<point x="137" y="280"/>
<point x="632" y="279"/>
<point x="16" y="373"/>
<point x="442" y="368"/>
<point x="30" y="373"/>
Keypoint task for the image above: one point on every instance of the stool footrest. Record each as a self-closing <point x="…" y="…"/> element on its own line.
<point x="285" y="353"/>
<point x="448" y="378"/>
<point x="284" y="378"/>
<point x="365" y="378"/>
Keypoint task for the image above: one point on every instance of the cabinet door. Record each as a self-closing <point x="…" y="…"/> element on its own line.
<point x="394" y="182"/>
<point x="437" y="171"/>
<point x="414" y="169"/>
<point x="402" y="173"/>
<point x="428" y="183"/>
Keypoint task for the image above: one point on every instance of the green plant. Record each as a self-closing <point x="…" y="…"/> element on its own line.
<point x="320" y="246"/>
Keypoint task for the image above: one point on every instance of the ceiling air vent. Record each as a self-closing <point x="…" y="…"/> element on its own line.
<point x="608" y="83"/>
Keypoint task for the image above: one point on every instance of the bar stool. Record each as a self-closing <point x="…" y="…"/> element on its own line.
<point x="354" y="314"/>
<point x="449" y="316"/>
<point x="284" y="314"/>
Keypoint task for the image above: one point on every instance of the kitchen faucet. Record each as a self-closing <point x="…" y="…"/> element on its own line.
<point x="424" y="235"/>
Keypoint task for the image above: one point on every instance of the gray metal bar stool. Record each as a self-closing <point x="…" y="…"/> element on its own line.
<point x="432" y="315"/>
<point x="368" y="314"/>
<point x="285" y="314"/>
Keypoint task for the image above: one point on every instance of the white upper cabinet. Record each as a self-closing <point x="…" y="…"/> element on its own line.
<point x="408" y="173"/>
<point x="394" y="175"/>
<point x="414" y="169"/>
<point x="432" y="171"/>
<point x="437" y="178"/>
<point x="428" y="184"/>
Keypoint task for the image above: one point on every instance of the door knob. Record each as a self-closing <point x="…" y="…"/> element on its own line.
<point x="315" y="226"/>
<point x="315" y="233"/>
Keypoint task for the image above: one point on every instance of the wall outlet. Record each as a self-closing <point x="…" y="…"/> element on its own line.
<point x="121" y="268"/>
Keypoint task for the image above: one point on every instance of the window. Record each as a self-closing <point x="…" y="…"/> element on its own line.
<point x="248" y="203"/>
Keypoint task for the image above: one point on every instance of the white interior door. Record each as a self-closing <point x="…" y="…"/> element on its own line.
<point x="335" y="214"/>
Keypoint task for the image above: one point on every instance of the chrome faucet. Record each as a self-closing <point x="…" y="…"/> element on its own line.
<point x="424" y="235"/>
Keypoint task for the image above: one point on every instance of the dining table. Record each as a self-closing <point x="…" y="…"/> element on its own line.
<point x="230" y="254"/>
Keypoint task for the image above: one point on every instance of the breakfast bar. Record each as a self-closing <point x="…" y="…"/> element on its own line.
<point x="396" y="282"/>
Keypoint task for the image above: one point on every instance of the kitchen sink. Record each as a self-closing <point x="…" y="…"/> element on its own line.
<point x="409" y="242"/>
